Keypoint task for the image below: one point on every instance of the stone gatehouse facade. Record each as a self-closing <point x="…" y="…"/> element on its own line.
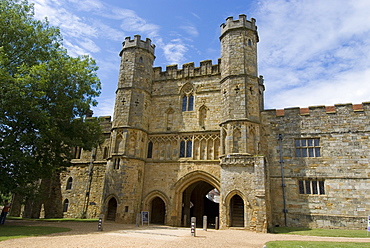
<point x="178" y="134"/>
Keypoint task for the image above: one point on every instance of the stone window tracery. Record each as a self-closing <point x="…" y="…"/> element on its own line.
<point x="187" y="93"/>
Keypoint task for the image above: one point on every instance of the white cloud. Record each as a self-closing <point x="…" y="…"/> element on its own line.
<point x="190" y="30"/>
<point x="311" y="49"/>
<point x="175" y="51"/>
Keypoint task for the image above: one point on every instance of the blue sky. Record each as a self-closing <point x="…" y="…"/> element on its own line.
<point x="311" y="52"/>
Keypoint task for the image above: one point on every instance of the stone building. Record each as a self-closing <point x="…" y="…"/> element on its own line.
<point x="178" y="134"/>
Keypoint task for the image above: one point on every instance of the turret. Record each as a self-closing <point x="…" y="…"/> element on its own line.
<point x="134" y="84"/>
<point x="241" y="88"/>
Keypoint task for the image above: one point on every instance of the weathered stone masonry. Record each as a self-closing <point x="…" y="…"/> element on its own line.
<point x="178" y="134"/>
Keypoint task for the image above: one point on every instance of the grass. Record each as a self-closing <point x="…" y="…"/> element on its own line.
<point x="318" y="232"/>
<point x="321" y="232"/>
<point x="13" y="232"/>
<point x="54" y="220"/>
<point x="314" y="244"/>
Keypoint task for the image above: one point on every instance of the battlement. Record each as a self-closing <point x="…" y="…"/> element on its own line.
<point x="137" y="42"/>
<point x="242" y="22"/>
<point x="188" y="70"/>
<point x="319" y="110"/>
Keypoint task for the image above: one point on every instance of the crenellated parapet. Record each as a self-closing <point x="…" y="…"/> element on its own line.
<point x="137" y="42"/>
<point x="242" y="22"/>
<point x="321" y="110"/>
<point x="188" y="70"/>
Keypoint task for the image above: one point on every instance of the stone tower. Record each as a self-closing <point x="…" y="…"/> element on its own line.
<point x="242" y="173"/>
<point x="129" y="130"/>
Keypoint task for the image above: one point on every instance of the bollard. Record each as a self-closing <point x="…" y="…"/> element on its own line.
<point x="137" y="219"/>
<point x="205" y="223"/>
<point x="100" y="222"/>
<point x="193" y="225"/>
<point x="216" y="224"/>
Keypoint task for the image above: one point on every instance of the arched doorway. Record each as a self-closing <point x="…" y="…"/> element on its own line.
<point x="112" y="209"/>
<point x="196" y="204"/>
<point x="236" y="211"/>
<point x="158" y="211"/>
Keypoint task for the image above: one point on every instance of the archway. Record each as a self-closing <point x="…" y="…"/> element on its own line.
<point x="112" y="209"/>
<point x="196" y="204"/>
<point x="236" y="211"/>
<point x="158" y="211"/>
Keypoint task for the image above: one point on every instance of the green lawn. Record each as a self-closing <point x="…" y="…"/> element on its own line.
<point x="13" y="232"/>
<point x="314" y="244"/>
<point x="54" y="220"/>
<point x="321" y="232"/>
<point x="318" y="232"/>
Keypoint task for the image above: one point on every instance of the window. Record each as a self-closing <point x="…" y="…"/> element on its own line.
<point x="65" y="205"/>
<point x="187" y="103"/>
<point x="311" y="187"/>
<point x="307" y="148"/>
<point x="186" y="149"/>
<point x="105" y="153"/>
<point x="150" y="150"/>
<point x="116" y="162"/>
<point x="76" y="152"/>
<point x="69" y="183"/>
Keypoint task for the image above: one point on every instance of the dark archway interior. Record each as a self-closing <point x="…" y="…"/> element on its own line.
<point x="196" y="204"/>
<point x="112" y="209"/>
<point x="237" y="211"/>
<point x="158" y="211"/>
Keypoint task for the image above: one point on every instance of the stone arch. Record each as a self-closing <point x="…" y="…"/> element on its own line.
<point x="110" y="207"/>
<point x="159" y="215"/>
<point x="237" y="136"/>
<point x="195" y="176"/>
<point x="169" y="118"/>
<point x="202" y="116"/>
<point x="189" y="181"/>
<point x="119" y="144"/>
<point x="228" y="201"/>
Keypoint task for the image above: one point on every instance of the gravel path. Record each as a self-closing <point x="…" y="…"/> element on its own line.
<point x="85" y="234"/>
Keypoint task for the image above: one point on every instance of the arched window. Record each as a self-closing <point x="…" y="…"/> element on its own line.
<point x="150" y="150"/>
<point x="249" y="42"/>
<point x="188" y="103"/>
<point x="69" y="183"/>
<point x="186" y="149"/>
<point x="187" y="97"/>
<point x="65" y="205"/>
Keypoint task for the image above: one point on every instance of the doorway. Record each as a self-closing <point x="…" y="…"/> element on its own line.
<point x="112" y="209"/>
<point x="158" y="211"/>
<point x="236" y="211"/>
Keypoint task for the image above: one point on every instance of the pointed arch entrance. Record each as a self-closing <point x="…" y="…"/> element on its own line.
<point x="196" y="204"/>
<point x="112" y="209"/>
<point x="192" y="191"/>
<point x="158" y="211"/>
<point x="236" y="211"/>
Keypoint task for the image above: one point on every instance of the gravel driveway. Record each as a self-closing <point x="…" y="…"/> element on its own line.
<point x="85" y="234"/>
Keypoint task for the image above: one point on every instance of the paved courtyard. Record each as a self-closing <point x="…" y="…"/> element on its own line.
<point x="85" y="234"/>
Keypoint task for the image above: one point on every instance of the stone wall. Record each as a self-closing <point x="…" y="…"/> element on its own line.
<point x="343" y="165"/>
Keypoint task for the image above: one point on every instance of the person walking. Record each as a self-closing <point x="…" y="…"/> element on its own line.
<point x="4" y="212"/>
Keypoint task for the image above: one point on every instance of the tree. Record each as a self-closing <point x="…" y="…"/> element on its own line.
<point x="45" y="95"/>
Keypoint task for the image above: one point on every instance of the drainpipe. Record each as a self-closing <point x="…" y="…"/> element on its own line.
<point x="285" y="210"/>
